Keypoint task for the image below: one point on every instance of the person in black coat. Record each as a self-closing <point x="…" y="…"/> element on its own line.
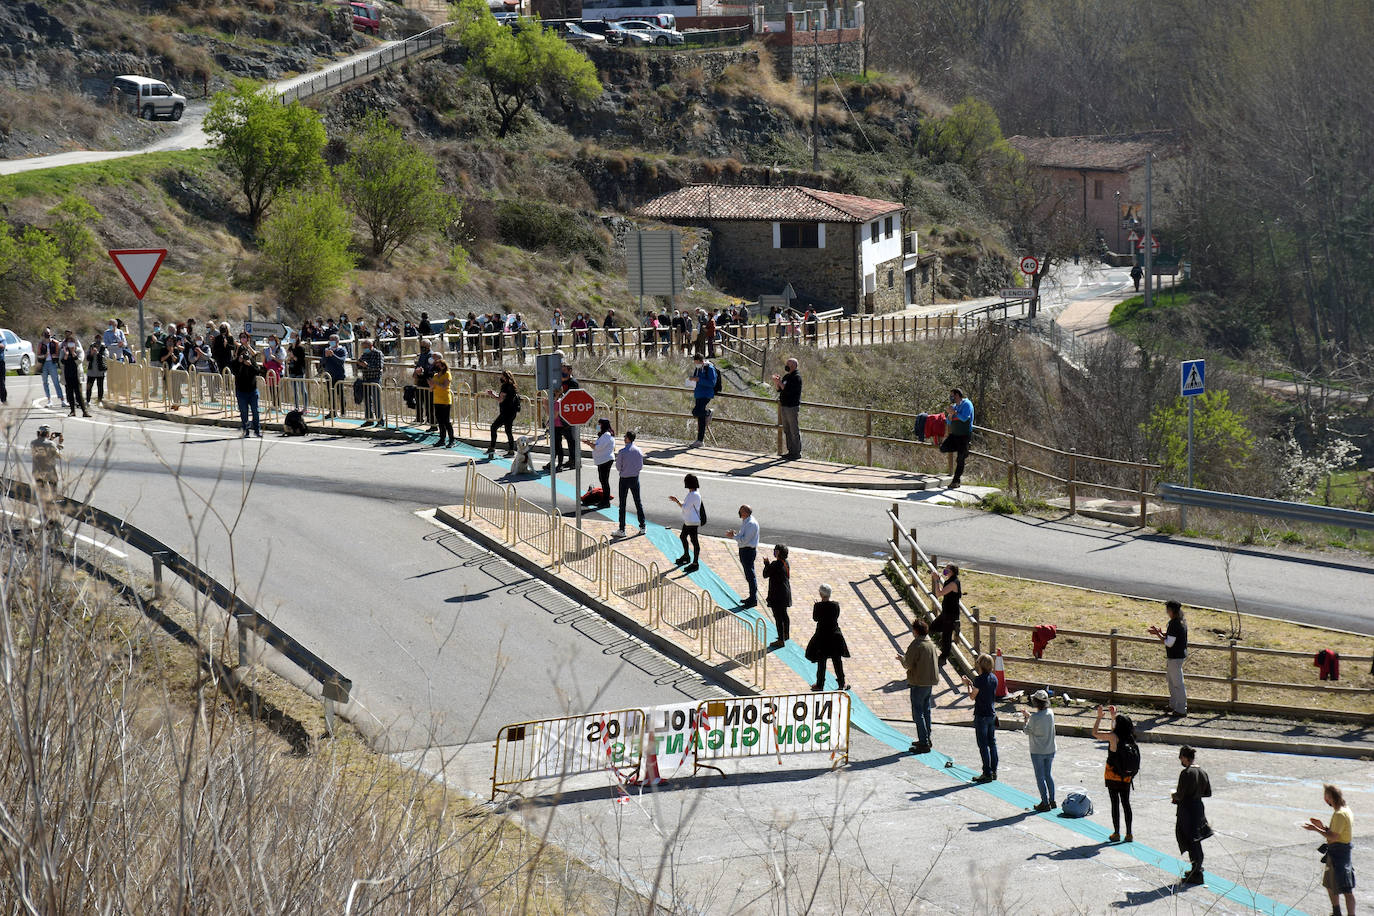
<point x="828" y="641"/>
<point x="779" y="577"/>
<point x="1191" y="827"/>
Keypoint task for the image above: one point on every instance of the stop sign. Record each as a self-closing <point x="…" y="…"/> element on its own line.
<point x="576" y="407"/>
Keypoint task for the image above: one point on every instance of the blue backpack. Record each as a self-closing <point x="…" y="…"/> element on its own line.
<point x="1076" y="804"/>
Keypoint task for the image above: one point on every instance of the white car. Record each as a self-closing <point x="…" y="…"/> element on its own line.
<point x="657" y="34"/>
<point x="18" y="352"/>
<point x="573" y="33"/>
<point x="628" y="37"/>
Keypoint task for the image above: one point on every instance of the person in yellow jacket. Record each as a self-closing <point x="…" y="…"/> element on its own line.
<point x="440" y="383"/>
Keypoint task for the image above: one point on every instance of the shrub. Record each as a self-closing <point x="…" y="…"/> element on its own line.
<point x="305" y="245"/>
<point x="1000" y="503"/>
<point x="537" y="226"/>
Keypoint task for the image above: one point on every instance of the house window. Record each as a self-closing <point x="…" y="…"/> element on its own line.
<point x="1097" y="189"/>
<point x="873" y="232"/>
<point x="799" y="235"/>
<point x="890" y="281"/>
<point x="887" y="228"/>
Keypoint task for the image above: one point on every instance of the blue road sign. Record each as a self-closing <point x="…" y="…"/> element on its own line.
<point x="1193" y="377"/>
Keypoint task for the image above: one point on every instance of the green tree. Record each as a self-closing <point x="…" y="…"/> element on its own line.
<point x="393" y="187"/>
<point x="305" y="243"/>
<point x="32" y="265"/>
<point x="969" y="135"/>
<point x="1222" y="446"/>
<point x="515" y="63"/>
<point x="270" y="147"/>
<point x="71" y="230"/>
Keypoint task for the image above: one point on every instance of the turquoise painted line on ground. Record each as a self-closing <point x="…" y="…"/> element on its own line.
<point x="867" y="721"/>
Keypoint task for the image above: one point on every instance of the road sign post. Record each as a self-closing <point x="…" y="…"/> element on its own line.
<point x="138" y="266"/>
<point x="548" y="370"/>
<point x="1192" y="382"/>
<point x="576" y="408"/>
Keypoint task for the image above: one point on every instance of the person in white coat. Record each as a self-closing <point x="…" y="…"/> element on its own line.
<point x="691" y="523"/>
<point x="1039" y="726"/>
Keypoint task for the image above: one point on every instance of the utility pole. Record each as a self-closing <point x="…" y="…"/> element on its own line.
<point x="815" y="90"/>
<point x="1147" y="243"/>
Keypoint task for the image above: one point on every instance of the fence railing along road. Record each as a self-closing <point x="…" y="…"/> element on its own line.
<point x="334" y="77"/>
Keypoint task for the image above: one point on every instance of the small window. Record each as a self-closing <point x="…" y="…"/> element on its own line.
<point x="1097" y="189"/>
<point x="873" y="233"/>
<point x="887" y="228"/>
<point x="890" y="278"/>
<point x="798" y="235"/>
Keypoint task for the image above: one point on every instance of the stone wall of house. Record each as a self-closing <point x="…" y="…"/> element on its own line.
<point x="889" y="293"/>
<point x="744" y="262"/>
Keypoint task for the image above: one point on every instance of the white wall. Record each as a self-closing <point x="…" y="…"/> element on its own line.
<point x="885" y="249"/>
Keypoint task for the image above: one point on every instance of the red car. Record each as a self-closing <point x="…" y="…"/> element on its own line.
<point x="366" y="17"/>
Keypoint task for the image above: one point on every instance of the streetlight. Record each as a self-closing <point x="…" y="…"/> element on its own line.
<point x="1116" y="196"/>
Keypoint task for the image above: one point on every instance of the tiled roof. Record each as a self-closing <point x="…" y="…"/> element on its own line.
<point x="1108" y="153"/>
<point x="710" y="202"/>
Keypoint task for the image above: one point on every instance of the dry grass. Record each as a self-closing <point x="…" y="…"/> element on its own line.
<point x="136" y="779"/>
<point x="1031" y="603"/>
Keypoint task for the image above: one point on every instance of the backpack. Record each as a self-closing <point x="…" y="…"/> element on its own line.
<point x="1128" y="758"/>
<point x="1076" y="804"/>
<point x="719" y="383"/>
<point x="295" y="424"/>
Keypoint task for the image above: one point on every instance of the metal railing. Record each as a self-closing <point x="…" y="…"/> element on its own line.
<point x="654" y="600"/>
<point x="1274" y="508"/>
<point x="364" y="66"/>
<point x="334" y="686"/>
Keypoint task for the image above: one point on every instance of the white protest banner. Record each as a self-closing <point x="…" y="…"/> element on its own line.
<point x="671" y="735"/>
<point x="774" y="725"/>
<point x="567" y="746"/>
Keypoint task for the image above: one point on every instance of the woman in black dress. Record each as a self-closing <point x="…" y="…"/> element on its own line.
<point x="779" y="599"/>
<point x="827" y="642"/>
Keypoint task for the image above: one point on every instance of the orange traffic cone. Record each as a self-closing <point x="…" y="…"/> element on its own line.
<point x="649" y="775"/>
<point x="1000" y="671"/>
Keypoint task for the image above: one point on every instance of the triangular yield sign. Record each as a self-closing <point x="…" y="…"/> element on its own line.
<point x="1194" y="380"/>
<point x="139" y="266"/>
<point x="788" y="292"/>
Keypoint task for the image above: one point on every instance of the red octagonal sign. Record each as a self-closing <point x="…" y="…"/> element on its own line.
<point x="576" y="407"/>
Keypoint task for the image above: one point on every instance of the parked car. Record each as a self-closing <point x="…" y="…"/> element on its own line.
<point x="573" y="33"/>
<point x="366" y="17"/>
<point x="630" y="37"/>
<point x="18" y="352"/>
<point x="657" y="33"/>
<point x="149" y="98"/>
<point x="603" y="28"/>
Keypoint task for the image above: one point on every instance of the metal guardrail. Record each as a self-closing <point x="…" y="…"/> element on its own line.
<point x="383" y="58"/>
<point x="335" y="688"/>
<point x="1275" y="508"/>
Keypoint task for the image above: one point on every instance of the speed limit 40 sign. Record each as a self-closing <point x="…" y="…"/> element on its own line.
<point x="1029" y="265"/>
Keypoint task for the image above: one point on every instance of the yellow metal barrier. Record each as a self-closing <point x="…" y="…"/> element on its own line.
<point x="581" y="552"/>
<point x="630" y="579"/>
<point x="568" y="746"/>
<point x="685" y="610"/>
<point x="771" y="726"/>
<point x="490" y="502"/>
<point x="536" y="527"/>
<point x="741" y="642"/>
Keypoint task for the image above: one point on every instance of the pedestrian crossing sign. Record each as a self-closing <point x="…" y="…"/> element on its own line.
<point x="1193" y="376"/>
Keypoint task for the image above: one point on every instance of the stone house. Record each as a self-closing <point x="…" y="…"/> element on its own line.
<point x="1105" y="178"/>
<point x="836" y="250"/>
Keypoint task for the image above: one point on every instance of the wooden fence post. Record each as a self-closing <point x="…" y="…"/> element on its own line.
<point x="1011" y="465"/>
<point x="1073" y="490"/>
<point x="1143" y="516"/>
<point x="1113" y="664"/>
<point x="896" y="529"/>
<point x="914" y="568"/>
<point x="868" y="436"/>
<point x="992" y="635"/>
<point x="1234" y="668"/>
<point x="780" y="427"/>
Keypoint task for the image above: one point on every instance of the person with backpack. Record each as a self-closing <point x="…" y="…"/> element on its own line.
<point x="706" y="384"/>
<point x="693" y="517"/>
<point x="1123" y="763"/>
<point x="1039" y="727"/>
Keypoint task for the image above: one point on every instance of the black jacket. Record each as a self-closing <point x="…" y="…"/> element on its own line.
<point x="779" y="583"/>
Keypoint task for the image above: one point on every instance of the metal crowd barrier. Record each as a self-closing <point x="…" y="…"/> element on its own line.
<point x="568" y="746"/>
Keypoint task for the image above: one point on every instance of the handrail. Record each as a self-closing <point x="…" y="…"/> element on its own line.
<point x="371" y="63"/>
<point x="1276" y="508"/>
<point x="335" y="688"/>
<point x="918" y="581"/>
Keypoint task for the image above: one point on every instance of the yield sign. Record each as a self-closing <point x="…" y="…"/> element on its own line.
<point x="139" y="266"/>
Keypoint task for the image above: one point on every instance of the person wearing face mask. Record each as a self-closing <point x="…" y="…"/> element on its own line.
<point x="72" y="358"/>
<point x="49" y="354"/>
<point x="369" y="365"/>
<point x="959" y="416"/>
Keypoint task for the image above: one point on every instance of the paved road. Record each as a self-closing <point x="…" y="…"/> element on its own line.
<point x="443" y="645"/>
<point x="184" y="134"/>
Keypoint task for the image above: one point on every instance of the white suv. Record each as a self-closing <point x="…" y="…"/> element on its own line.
<point x="148" y="98"/>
